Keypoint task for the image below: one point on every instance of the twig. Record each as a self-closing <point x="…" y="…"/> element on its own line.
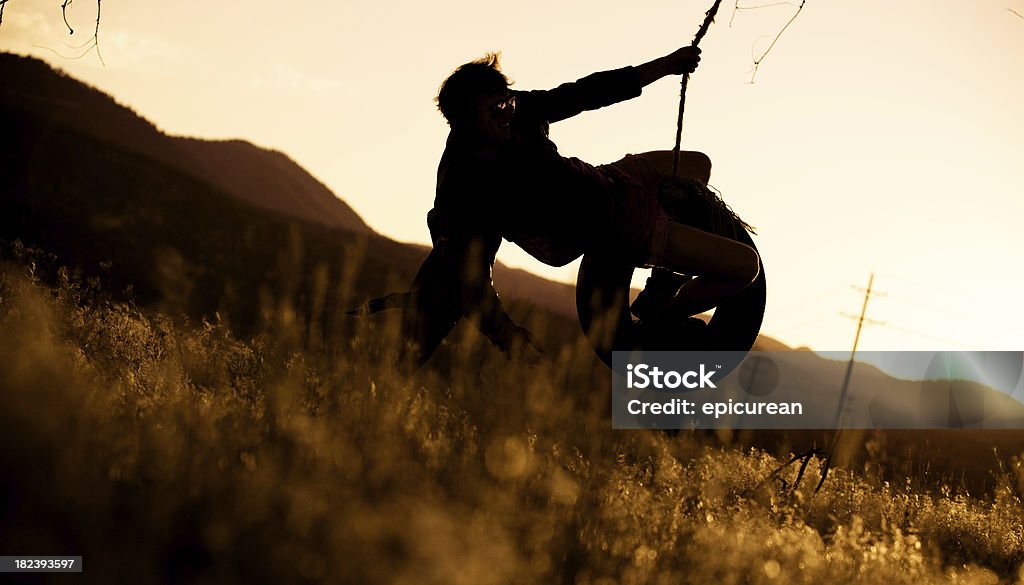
<point x="1010" y="9"/>
<point x="804" y="459"/>
<point x="93" y="43"/>
<point x="3" y="3"/>
<point x="757" y="61"/>
<point x="736" y="8"/>
<point x="83" y="45"/>
<point x="64" y="13"/>
<point x="88" y="47"/>
<point x="96" y="34"/>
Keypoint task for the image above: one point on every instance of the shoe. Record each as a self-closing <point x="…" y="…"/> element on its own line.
<point x="688" y="334"/>
<point x="661" y="287"/>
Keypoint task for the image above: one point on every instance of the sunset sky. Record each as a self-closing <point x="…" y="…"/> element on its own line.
<point x="881" y="136"/>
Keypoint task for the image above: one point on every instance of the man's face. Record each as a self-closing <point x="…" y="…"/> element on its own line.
<point x="494" y="116"/>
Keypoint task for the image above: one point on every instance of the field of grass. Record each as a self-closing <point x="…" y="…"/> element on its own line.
<point x="164" y="450"/>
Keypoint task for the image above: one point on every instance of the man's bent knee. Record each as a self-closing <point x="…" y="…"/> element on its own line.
<point x="749" y="266"/>
<point x="740" y="264"/>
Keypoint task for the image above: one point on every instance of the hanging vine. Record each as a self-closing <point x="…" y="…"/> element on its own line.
<point x="84" y="48"/>
<point x="758" y="60"/>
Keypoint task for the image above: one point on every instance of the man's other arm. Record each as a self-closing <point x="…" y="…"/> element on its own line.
<point x="454" y="282"/>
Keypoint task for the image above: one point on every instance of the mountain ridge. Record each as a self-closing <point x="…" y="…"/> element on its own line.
<point x="234" y="166"/>
<point x="53" y="95"/>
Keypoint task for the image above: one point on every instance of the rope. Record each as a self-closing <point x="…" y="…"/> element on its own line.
<point x="709" y="17"/>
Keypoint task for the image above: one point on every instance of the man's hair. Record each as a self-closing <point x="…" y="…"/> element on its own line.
<point x="459" y="94"/>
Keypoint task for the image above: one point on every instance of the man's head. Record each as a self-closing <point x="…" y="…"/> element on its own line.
<point x="475" y="98"/>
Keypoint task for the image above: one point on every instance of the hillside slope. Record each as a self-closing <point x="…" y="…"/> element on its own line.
<point x="67" y="138"/>
<point x="264" y="178"/>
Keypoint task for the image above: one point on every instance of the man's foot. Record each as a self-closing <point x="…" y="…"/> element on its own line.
<point x="669" y="333"/>
<point x="662" y="286"/>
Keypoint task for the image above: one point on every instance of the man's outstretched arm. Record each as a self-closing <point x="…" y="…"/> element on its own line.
<point x="605" y="88"/>
<point x="678" y="62"/>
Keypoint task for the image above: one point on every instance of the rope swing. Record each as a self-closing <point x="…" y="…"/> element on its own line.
<point x="709" y="17"/>
<point x="603" y="283"/>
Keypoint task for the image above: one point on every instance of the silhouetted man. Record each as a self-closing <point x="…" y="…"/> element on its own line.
<point x="501" y="177"/>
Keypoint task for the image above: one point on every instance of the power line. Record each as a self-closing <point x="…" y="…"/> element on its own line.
<point x="908" y="300"/>
<point x="929" y="336"/>
<point x="862" y="318"/>
<point x="817" y="298"/>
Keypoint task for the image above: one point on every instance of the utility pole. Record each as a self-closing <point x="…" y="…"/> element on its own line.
<point x="856" y="338"/>
<point x="837" y="423"/>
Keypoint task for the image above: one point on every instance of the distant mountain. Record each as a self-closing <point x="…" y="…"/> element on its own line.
<point x="193" y="221"/>
<point x="265" y="178"/>
<point x="270" y="180"/>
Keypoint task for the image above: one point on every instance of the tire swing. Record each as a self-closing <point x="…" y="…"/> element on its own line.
<point x="603" y="285"/>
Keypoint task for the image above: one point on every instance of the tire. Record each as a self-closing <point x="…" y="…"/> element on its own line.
<point x="603" y="286"/>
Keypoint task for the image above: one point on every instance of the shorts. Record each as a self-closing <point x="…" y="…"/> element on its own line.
<point x="641" y="230"/>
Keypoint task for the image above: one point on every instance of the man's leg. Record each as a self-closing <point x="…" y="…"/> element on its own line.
<point x="663" y="284"/>
<point x="723" y="268"/>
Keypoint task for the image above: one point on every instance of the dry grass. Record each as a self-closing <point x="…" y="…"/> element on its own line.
<point x="166" y="451"/>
